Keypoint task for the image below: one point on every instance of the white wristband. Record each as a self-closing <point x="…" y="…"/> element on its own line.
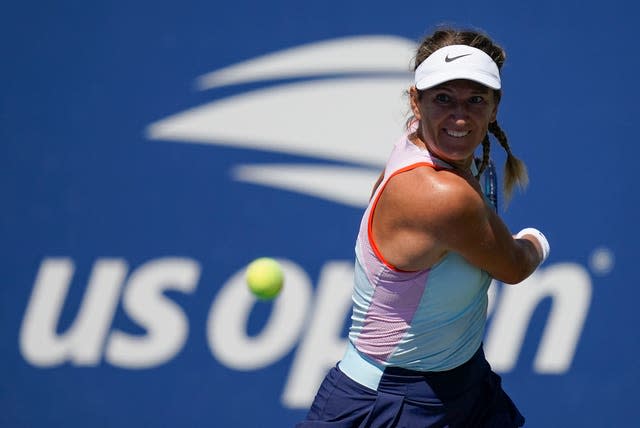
<point x="531" y="231"/>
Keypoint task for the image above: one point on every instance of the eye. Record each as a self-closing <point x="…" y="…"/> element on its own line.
<point x="477" y="99"/>
<point x="442" y="98"/>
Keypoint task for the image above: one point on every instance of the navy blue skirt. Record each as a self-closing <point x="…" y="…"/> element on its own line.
<point x="468" y="396"/>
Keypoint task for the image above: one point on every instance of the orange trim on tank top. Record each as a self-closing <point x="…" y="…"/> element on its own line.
<point x="373" y="209"/>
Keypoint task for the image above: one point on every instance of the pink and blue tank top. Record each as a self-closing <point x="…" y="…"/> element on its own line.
<point x="427" y="320"/>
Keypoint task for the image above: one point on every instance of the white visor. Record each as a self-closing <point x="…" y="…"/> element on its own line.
<point x="457" y="62"/>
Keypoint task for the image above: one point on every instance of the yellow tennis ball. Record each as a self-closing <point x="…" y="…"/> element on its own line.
<point x="265" y="278"/>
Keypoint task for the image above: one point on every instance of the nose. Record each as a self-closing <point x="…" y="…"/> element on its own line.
<point x="459" y="113"/>
<point x="460" y="120"/>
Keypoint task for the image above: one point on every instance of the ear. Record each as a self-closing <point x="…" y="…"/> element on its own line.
<point x="494" y="114"/>
<point x="415" y="102"/>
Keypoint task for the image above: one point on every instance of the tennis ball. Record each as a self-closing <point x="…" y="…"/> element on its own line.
<point x="264" y="277"/>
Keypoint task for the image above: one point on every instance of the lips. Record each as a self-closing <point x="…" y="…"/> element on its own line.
<point x="457" y="134"/>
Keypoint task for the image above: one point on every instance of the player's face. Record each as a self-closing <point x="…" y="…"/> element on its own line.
<point x="454" y="118"/>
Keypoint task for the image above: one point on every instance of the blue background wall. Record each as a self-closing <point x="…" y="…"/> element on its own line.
<point x="95" y="198"/>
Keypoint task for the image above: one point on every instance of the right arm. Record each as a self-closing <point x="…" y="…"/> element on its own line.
<point x="424" y="213"/>
<point x="469" y="226"/>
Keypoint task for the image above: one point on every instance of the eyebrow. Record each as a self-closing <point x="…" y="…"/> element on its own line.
<point x="476" y="88"/>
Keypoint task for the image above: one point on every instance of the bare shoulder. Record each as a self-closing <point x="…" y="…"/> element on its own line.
<point x="440" y="198"/>
<point x="419" y="213"/>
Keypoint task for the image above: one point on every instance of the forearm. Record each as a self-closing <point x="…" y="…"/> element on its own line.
<point x="533" y="249"/>
<point x="528" y="260"/>
<point x="522" y="253"/>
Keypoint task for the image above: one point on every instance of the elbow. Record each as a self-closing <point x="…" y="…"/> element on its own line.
<point x="516" y="274"/>
<point x="513" y="279"/>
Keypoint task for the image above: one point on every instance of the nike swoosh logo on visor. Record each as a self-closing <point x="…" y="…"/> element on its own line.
<point x="447" y="59"/>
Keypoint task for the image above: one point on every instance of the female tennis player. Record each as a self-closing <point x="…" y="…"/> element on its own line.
<point x="429" y="244"/>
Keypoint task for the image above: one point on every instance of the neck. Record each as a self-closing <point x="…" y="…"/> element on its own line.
<point x="461" y="165"/>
